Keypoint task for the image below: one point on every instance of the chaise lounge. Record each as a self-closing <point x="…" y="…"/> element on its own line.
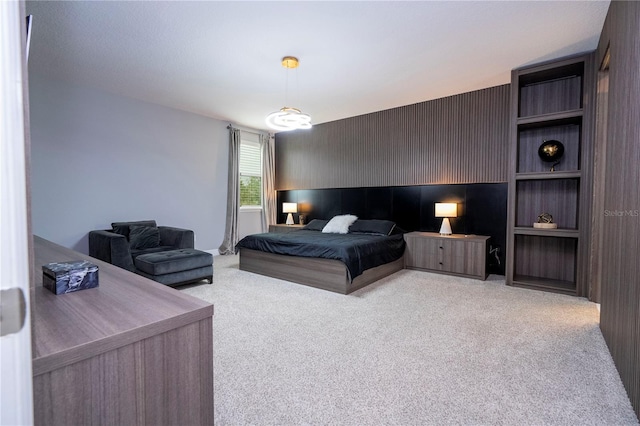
<point x="161" y="253"/>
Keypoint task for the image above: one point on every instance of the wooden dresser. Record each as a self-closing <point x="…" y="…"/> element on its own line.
<point x="462" y="255"/>
<point x="131" y="351"/>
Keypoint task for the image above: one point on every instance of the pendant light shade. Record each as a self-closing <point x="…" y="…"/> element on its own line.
<point x="288" y="118"/>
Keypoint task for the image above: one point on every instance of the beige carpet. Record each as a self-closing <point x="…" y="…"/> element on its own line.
<point x="412" y="349"/>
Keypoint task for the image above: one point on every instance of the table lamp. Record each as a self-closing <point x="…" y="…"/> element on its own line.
<point x="289" y="208"/>
<point x="446" y="210"/>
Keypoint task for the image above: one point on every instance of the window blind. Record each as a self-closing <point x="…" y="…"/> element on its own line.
<point x="250" y="169"/>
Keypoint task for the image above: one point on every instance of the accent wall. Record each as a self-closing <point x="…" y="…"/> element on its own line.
<point x="457" y="139"/>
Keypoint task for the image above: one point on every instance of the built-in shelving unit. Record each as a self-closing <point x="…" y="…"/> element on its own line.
<point x="550" y="101"/>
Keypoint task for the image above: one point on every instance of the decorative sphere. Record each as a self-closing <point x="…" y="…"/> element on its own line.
<point x="545" y="218"/>
<point x="551" y="151"/>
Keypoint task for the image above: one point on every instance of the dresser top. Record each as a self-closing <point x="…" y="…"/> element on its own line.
<point x="470" y="237"/>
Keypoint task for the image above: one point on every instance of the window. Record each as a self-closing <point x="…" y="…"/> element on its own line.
<point x="250" y="171"/>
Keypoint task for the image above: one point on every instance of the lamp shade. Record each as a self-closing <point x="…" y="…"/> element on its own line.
<point x="446" y="210"/>
<point x="289" y="207"/>
<point x="288" y="118"/>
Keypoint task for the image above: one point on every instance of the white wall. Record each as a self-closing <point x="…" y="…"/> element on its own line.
<point x="98" y="158"/>
<point x="249" y="222"/>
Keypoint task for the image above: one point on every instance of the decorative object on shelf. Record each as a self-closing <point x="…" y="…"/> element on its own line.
<point x="67" y="277"/>
<point x="545" y="221"/>
<point x="288" y="118"/>
<point x="551" y="151"/>
<point x="446" y="210"/>
<point x="301" y="219"/>
<point x="290" y="208"/>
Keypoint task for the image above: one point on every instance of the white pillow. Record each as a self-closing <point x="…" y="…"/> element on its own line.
<point x="339" y="224"/>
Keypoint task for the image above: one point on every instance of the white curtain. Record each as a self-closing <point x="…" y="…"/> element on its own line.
<point x="231" y="236"/>
<point x="269" y="210"/>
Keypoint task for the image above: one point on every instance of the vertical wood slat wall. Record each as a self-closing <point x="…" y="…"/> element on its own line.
<point x="620" y="290"/>
<point x="457" y="139"/>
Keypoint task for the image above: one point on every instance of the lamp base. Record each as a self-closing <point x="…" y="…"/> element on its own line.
<point x="445" y="229"/>
<point x="290" y="219"/>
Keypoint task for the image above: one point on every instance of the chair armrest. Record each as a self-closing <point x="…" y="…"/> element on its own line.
<point x="176" y="237"/>
<point x="112" y="248"/>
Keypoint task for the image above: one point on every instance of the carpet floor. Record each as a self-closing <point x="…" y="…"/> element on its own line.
<point x="412" y="349"/>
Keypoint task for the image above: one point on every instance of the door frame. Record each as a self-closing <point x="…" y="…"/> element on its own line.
<point x="16" y="383"/>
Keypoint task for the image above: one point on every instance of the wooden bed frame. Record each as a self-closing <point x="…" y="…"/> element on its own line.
<point x="327" y="274"/>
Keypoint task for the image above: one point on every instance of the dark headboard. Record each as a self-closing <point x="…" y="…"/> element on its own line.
<point x="482" y="209"/>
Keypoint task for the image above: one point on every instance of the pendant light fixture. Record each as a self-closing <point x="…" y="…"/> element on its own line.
<point x="288" y="118"/>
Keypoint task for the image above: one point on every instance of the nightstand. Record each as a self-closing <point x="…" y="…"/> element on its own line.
<point x="281" y="228"/>
<point x="462" y="255"/>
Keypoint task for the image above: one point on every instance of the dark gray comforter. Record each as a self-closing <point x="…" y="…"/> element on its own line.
<point x="358" y="252"/>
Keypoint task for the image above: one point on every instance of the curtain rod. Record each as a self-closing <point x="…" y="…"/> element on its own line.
<point x="248" y="130"/>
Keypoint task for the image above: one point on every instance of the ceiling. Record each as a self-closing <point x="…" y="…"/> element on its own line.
<point x="222" y="59"/>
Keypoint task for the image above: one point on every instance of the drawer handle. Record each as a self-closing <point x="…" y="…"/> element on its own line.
<point x="440" y="263"/>
<point x="440" y="247"/>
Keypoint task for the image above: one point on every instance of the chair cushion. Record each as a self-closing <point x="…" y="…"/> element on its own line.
<point x="123" y="228"/>
<point x="135" y="252"/>
<point x="143" y="237"/>
<point x="182" y="277"/>
<point x="167" y="262"/>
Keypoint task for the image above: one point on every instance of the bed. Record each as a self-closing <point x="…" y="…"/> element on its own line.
<point x="343" y="262"/>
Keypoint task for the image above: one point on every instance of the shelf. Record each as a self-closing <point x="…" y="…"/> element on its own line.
<point x="557" y="118"/>
<point x="549" y="175"/>
<point x="558" y="286"/>
<point x="551" y="71"/>
<point x="529" y="141"/>
<point x="559" y="232"/>
<point x="558" y="197"/>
